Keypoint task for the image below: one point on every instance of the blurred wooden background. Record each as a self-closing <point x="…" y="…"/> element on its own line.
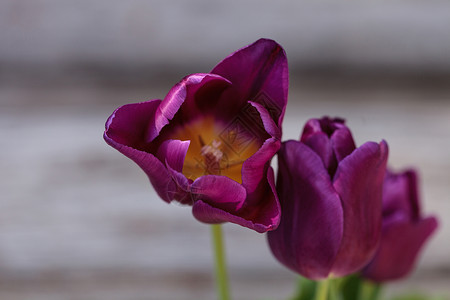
<point x="80" y="221"/>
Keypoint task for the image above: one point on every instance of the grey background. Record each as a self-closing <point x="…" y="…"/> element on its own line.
<point x="80" y="221"/>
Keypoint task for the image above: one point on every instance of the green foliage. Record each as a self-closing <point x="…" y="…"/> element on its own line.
<point x="416" y="297"/>
<point x="352" y="287"/>
<point x="305" y="289"/>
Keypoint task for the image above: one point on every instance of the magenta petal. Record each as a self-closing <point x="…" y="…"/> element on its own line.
<point x="125" y="131"/>
<point x="310" y="232"/>
<point x="259" y="72"/>
<point x="206" y="213"/>
<point x="399" y="248"/>
<point x="179" y="189"/>
<point x="262" y="207"/>
<point x="173" y="152"/>
<point x="359" y="182"/>
<point x="269" y="125"/>
<point x="155" y="170"/>
<point x="217" y="206"/>
<point x="128" y="125"/>
<point x="254" y="168"/>
<point x="182" y="93"/>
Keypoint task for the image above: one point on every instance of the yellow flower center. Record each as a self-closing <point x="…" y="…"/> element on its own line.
<point x="216" y="148"/>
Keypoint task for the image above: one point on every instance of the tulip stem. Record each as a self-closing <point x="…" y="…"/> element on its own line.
<point x="322" y="290"/>
<point x="221" y="270"/>
<point x="369" y="290"/>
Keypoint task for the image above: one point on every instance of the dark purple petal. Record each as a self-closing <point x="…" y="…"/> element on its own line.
<point x="325" y="125"/>
<point x="268" y="123"/>
<point x="264" y="218"/>
<point x="400" y="196"/>
<point x="399" y="248"/>
<point x="206" y="213"/>
<point x="414" y="194"/>
<point x="310" y="232"/>
<point x="321" y="144"/>
<point x="271" y="217"/>
<point x="329" y="138"/>
<point x="312" y="127"/>
<point x="359" y="181"/>
<point x="219" y="191"/>
<point x="259" y="73"/>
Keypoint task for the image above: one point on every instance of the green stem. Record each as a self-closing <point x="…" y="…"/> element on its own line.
<point x="369" y="290"/>
<point x="221" y="270"/>
<point x="334" y="289"/>
<point x="322" y="290"/>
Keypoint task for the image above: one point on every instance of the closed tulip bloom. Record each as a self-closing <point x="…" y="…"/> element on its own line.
<point x="330" y="195"/>
<point x="404" y="230"/>
<point x="209" y="143"/>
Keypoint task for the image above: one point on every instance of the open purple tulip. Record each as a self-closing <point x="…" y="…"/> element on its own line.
<point x="404" y="230"/>
<point x="209" y="143"/>
<point x="330" y="195"/>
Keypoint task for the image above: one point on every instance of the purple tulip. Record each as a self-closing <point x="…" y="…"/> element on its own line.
<point x="404" y="230"/>
<point x="330" y="195"/>
<point x="209" y="143"/>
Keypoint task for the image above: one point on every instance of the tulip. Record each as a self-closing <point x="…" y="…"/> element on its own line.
<point x="404" y="230"/>
<point x="330" y="196"/>
<point x="209" y="143"/>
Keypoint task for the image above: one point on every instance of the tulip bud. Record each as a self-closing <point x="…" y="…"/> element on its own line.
<point x="404" y="230"/>
<point x="330" y="195"/>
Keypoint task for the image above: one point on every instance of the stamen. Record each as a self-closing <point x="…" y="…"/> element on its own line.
<point x="213" y="150"/>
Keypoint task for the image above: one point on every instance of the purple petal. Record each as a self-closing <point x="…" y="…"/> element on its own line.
<point x="310" y="232"/>
<point x="259" y="72"/>
<point x="399" y="249"/>
<point x="342" y="141"/>
<point x="329" y="138"/>
<point x="125" y="131"/>
<point x="311" y="128"/>
<point x="321" y="144"/>
<point x="206" y="213"/>
<point x="219" y="191"/>
<point x="184" y="93"/>
<point x="359" y="182"/>
<point x="262" y="207"/>
<point x="128" y="125"/>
